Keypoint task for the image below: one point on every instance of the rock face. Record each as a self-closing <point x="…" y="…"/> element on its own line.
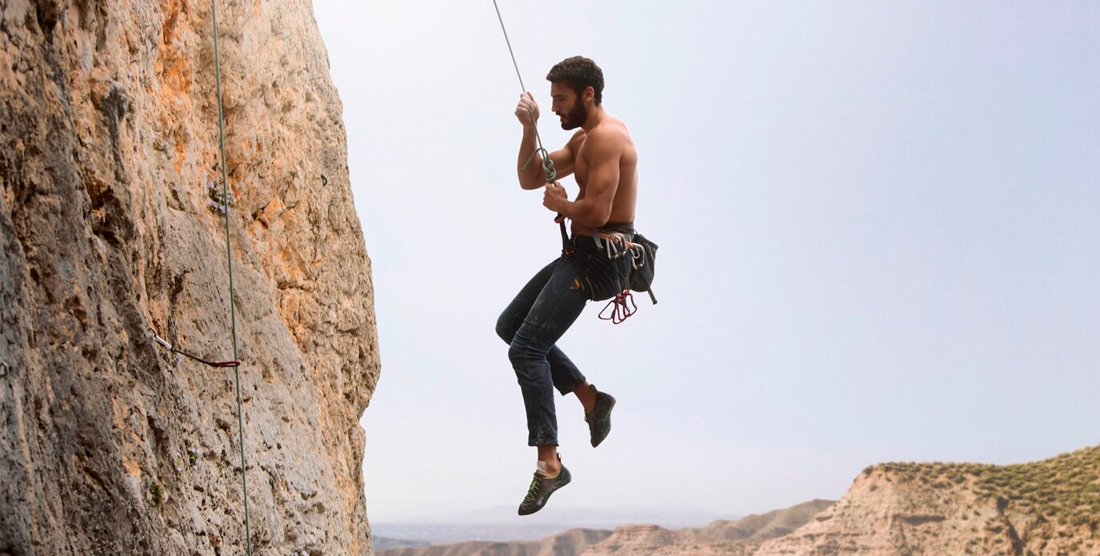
<point x="1050" y="507"/>
<point x="108" y="149"/>
<point x="728" y="538"/>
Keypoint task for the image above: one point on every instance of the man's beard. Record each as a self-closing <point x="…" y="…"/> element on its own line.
<point x="575" y="117"/>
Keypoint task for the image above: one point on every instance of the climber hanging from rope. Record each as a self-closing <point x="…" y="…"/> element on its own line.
<point x="602" y="157"/>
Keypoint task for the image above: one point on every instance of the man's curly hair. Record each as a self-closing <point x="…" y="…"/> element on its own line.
<point x="578" y="72"/>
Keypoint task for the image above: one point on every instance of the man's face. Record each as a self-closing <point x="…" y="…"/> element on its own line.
<point x="568" y="106"/>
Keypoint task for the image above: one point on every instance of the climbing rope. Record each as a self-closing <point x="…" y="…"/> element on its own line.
<point x="235" y="362"/>
<point x="547" y="164"/>
<point x="229" y="259"/>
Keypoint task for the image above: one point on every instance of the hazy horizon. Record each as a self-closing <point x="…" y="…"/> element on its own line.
<point x="878" y="242"/>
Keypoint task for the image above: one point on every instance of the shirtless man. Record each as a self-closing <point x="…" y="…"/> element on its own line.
<point x="603" y="159"/>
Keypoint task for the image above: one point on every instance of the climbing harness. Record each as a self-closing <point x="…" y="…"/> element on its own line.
<point x="235" y="363"/>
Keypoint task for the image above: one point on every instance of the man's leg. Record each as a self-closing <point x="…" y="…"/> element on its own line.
<point x="512" y="317"/>
<point x="554" y="310"/>
<point x="586" y="394"/>
<point x="564" y="373"/>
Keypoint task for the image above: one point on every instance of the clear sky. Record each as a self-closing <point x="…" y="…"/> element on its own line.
<point x="878" y="228"/>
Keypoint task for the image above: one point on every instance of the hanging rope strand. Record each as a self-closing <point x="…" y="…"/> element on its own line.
<point x="229" y="259"/>
<point x="509" y="43"/>
<point x="547" y="164"/>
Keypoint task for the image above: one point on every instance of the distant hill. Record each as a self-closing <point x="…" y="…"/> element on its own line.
<point x="501" y="524"/>
<point x="1045" y="508"/>
<point x="1051" y="507"/>
<point x="385" y="543"/>
<point x="739" y="537"/>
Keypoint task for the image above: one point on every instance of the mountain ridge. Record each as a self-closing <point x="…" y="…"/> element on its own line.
<point x="1049" y="507"/>
<point x="1045" y="508"/>
<point x="719" y="537"/>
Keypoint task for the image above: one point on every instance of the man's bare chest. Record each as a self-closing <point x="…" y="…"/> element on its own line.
<point x="580" y="167"/>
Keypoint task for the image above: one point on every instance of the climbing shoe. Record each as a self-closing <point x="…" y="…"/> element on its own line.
<point x="599" y="419"/>
<point x="541" y="488"/>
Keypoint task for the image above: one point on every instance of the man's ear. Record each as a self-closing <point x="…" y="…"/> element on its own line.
<point x="589" y="94"/>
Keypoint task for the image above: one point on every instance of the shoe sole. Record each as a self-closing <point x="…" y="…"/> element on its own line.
<point x="600" y="441"/>
<point x="568" y="479"/>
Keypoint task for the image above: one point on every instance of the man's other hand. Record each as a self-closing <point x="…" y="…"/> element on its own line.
<point x="554" y="197"/>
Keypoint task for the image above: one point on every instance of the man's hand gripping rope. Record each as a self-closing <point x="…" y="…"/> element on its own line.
<point x="554" y="191"/>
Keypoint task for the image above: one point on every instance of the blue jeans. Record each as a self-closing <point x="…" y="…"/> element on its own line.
<point x="531" y="325"/>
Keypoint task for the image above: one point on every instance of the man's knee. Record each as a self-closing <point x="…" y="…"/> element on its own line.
<point x="506" y="329"/>
<point x="522" y="352"/>
<point x="518" y="352"/>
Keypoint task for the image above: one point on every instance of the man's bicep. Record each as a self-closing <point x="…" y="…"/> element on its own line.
<point x="565" y="158"/>
<point x="563" y="161"/>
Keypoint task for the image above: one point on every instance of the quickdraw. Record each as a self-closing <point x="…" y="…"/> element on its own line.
<point x="622" y="306"/>
<point x="216" y="364"/>
<point x="619" y="245"/>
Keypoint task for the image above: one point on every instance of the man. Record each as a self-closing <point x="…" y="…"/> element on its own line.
<point x="602" y="157"/>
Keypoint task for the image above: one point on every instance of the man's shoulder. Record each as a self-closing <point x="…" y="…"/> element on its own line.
<point x="576" y="140"/>
<point x="610" y="134"/>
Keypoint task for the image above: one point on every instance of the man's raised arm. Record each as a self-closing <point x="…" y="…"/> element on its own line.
<point x="533" y="177"/>
<point x="603" y="150"/>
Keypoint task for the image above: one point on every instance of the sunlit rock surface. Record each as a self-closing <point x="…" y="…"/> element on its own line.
<point x="108" y="150"/>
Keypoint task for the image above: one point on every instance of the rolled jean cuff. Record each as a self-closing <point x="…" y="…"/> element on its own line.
<point x="568" y="389"/>
<point x="542" y="441"/>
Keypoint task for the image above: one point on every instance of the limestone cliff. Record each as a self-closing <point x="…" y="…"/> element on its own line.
<point x="108" y="149"/>
<point x="1051" y="507"/>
